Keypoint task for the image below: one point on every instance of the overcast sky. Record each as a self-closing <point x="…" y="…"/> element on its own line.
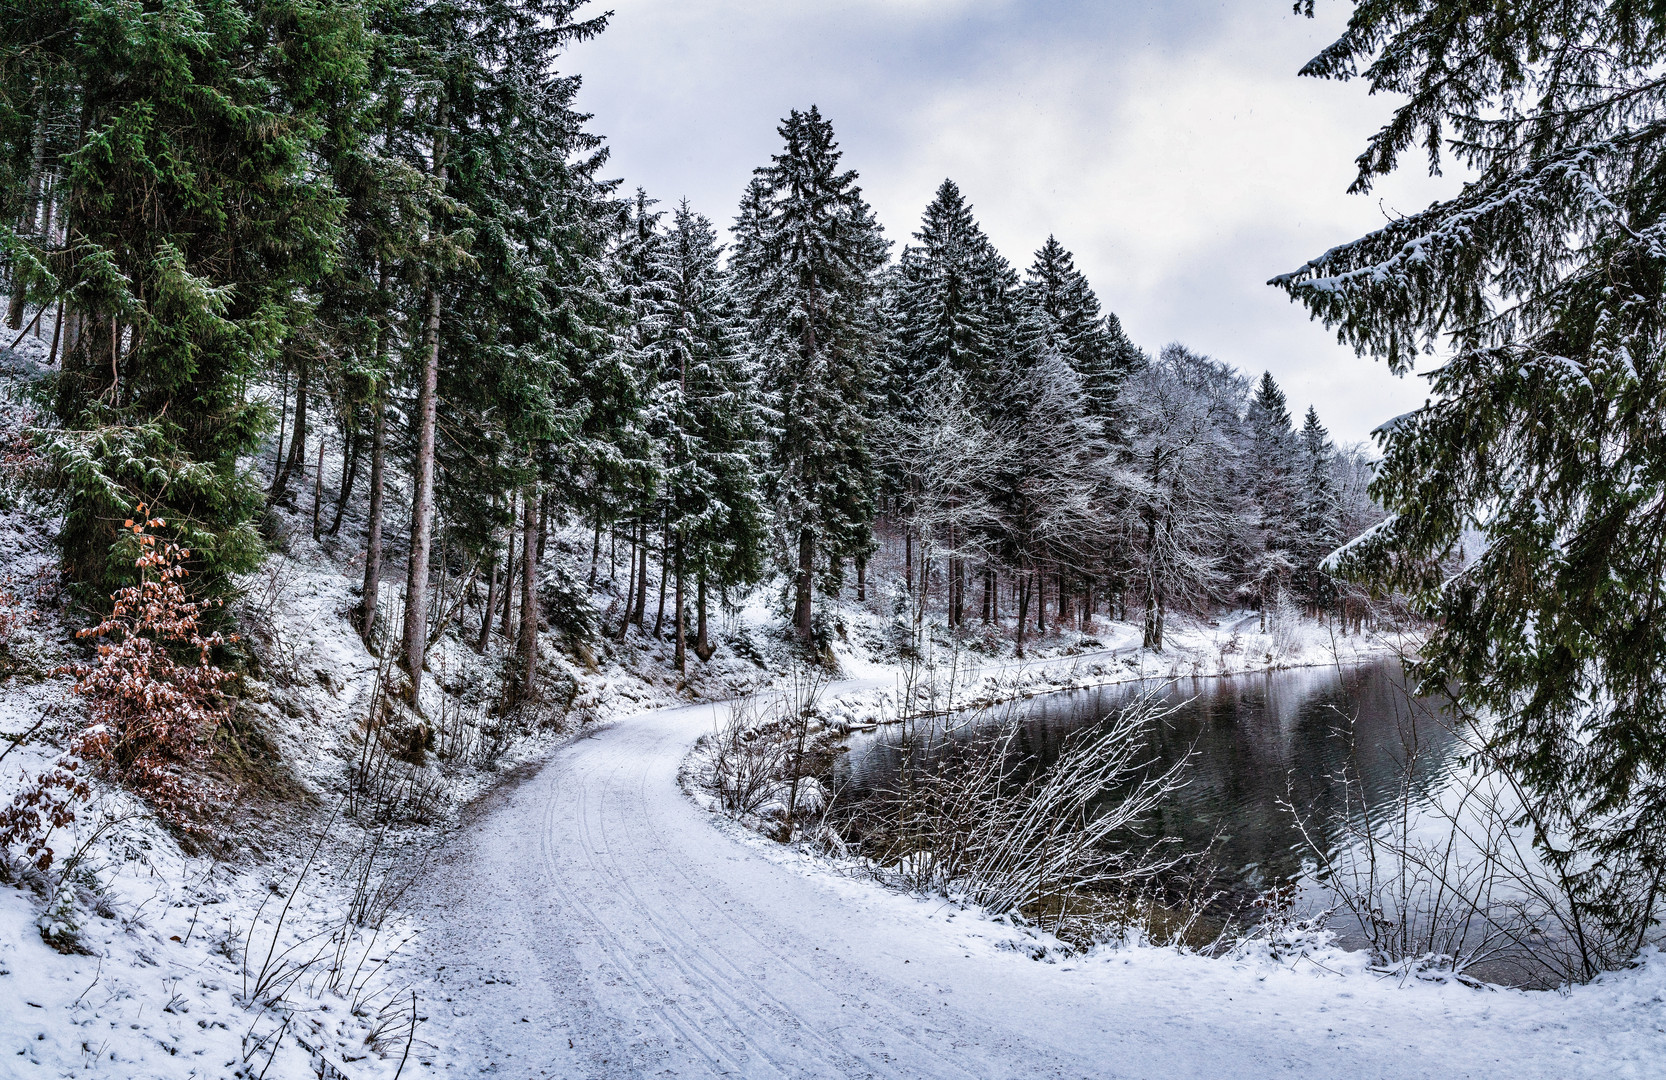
<point x="1171" y="147"/>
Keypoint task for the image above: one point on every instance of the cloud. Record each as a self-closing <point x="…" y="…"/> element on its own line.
<point x="1171" y="147"/>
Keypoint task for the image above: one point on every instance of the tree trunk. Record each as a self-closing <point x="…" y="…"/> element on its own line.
<point x="641" y="573"/>
<point x="529" y="592"/>
<point x="1023" y="609"/>
<point x="702" y="641"/>
<point x="509" y="578"/>
<point x="378" y="487"/>
<point x="297" y="439"/>
<point x="491" y="600"/>
<point x="414" y="652"/>
<point x="422" y="497"/>
<point x="57" y="330"/>
<point x="802" y="583"/>
<point x="908" y="560"/>
<point x="318" y="490"/>
<point x="31" y="211"/>
<point x="349" y="476"/>
<point x="1153" y="638"/>
<point x="988" y="597"/>
<point x="664" y="575"/>
<point x="958" y="570"/>
<point x="283" y="421"/>
<point x="861" y="579"/>
<point x="1040" y="604"/>
<point x="682" y="622"/>
<point x="595" y="553"/>
<point x="630" y="590"/>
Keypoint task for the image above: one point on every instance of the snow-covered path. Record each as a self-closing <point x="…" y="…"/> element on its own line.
<point x="592" y="921"/>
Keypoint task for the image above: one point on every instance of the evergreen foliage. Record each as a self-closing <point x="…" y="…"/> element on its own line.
<point x="1541" y="282"/>
<point x="178" y="288"/>
<point x="807" y="256"/>
<point x="1093" y="345"/>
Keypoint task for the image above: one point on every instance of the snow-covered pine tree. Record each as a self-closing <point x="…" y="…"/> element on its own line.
<point x="1092" y="344"/>
<point x="948" y="291"/>
<point x="376" y="148"/>
<point x="1046" y="477"/>
<point x="1541" y="281"/>
<point x="704" y="421"/>
<point x="500" y="343"/>
<point x="1318" y="513"/>
<point x="808" y="252"/>
<point x="1272" y="461"/>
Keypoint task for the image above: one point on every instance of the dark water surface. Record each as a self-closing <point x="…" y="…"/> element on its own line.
<point x="1255" y="741"/>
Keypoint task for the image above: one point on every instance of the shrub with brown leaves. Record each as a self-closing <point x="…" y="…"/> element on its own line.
<point x="149" y="714"/>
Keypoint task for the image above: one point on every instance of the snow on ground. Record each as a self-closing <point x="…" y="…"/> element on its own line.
<point x="1230" y="644"/>
<point x="593" y="922"/>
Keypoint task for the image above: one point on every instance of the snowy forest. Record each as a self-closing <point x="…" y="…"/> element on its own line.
<point x="368" y="440"/>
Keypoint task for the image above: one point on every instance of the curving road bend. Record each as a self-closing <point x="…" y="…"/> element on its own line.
<point x="592" y="921"/>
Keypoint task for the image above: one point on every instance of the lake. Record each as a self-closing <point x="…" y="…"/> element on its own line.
<point x="1256" y="743"/>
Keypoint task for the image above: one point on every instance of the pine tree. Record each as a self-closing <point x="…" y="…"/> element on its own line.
<point x="703" y="418"/>
<point x="499" y="344"/>
<point x="179" y="288"/>
<point x="948" y="288"/>
<point x="807" y="257"/>
<point x="1542" y="281"/>
<point x="1093" y="345"/>
<point x="1318" y="512"/>
<point x="1045" y="475"/>
<point x="1273" y="466"/>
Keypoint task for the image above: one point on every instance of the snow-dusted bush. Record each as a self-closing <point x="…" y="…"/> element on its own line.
<point x="149" y="714"/>
<point x="765" y="762"/>
<point x="969" y="814"/>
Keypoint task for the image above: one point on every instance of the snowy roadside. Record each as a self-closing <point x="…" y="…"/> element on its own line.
<point x="1293" y="987"/>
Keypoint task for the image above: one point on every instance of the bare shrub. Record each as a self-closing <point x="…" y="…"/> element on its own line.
<point x="766" y="760"/>
<point x="1440" y="882"/>
<point x="971" y="815"/>
<point x="264" y="593"/>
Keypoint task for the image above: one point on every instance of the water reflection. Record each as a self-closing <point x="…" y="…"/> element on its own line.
<point x="1257" y="741"/>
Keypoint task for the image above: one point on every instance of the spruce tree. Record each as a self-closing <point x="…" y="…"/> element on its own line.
<point x="178" y="286"/>
<point x="948" y="284"/>
<point x="1318" y="512"/>
<point x="1092" y="344"/>
<point x="807" y="256"/>
<point x="499" y="344"/>
<point x="1273" y="474"/>
<point x="703" y="418"/>
<point x="1541" y="282"/>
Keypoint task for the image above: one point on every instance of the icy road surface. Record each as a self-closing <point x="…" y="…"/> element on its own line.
<point x="594" y="922"/>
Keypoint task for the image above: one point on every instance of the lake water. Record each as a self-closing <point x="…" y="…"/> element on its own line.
<point x="1255" y="742"/>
